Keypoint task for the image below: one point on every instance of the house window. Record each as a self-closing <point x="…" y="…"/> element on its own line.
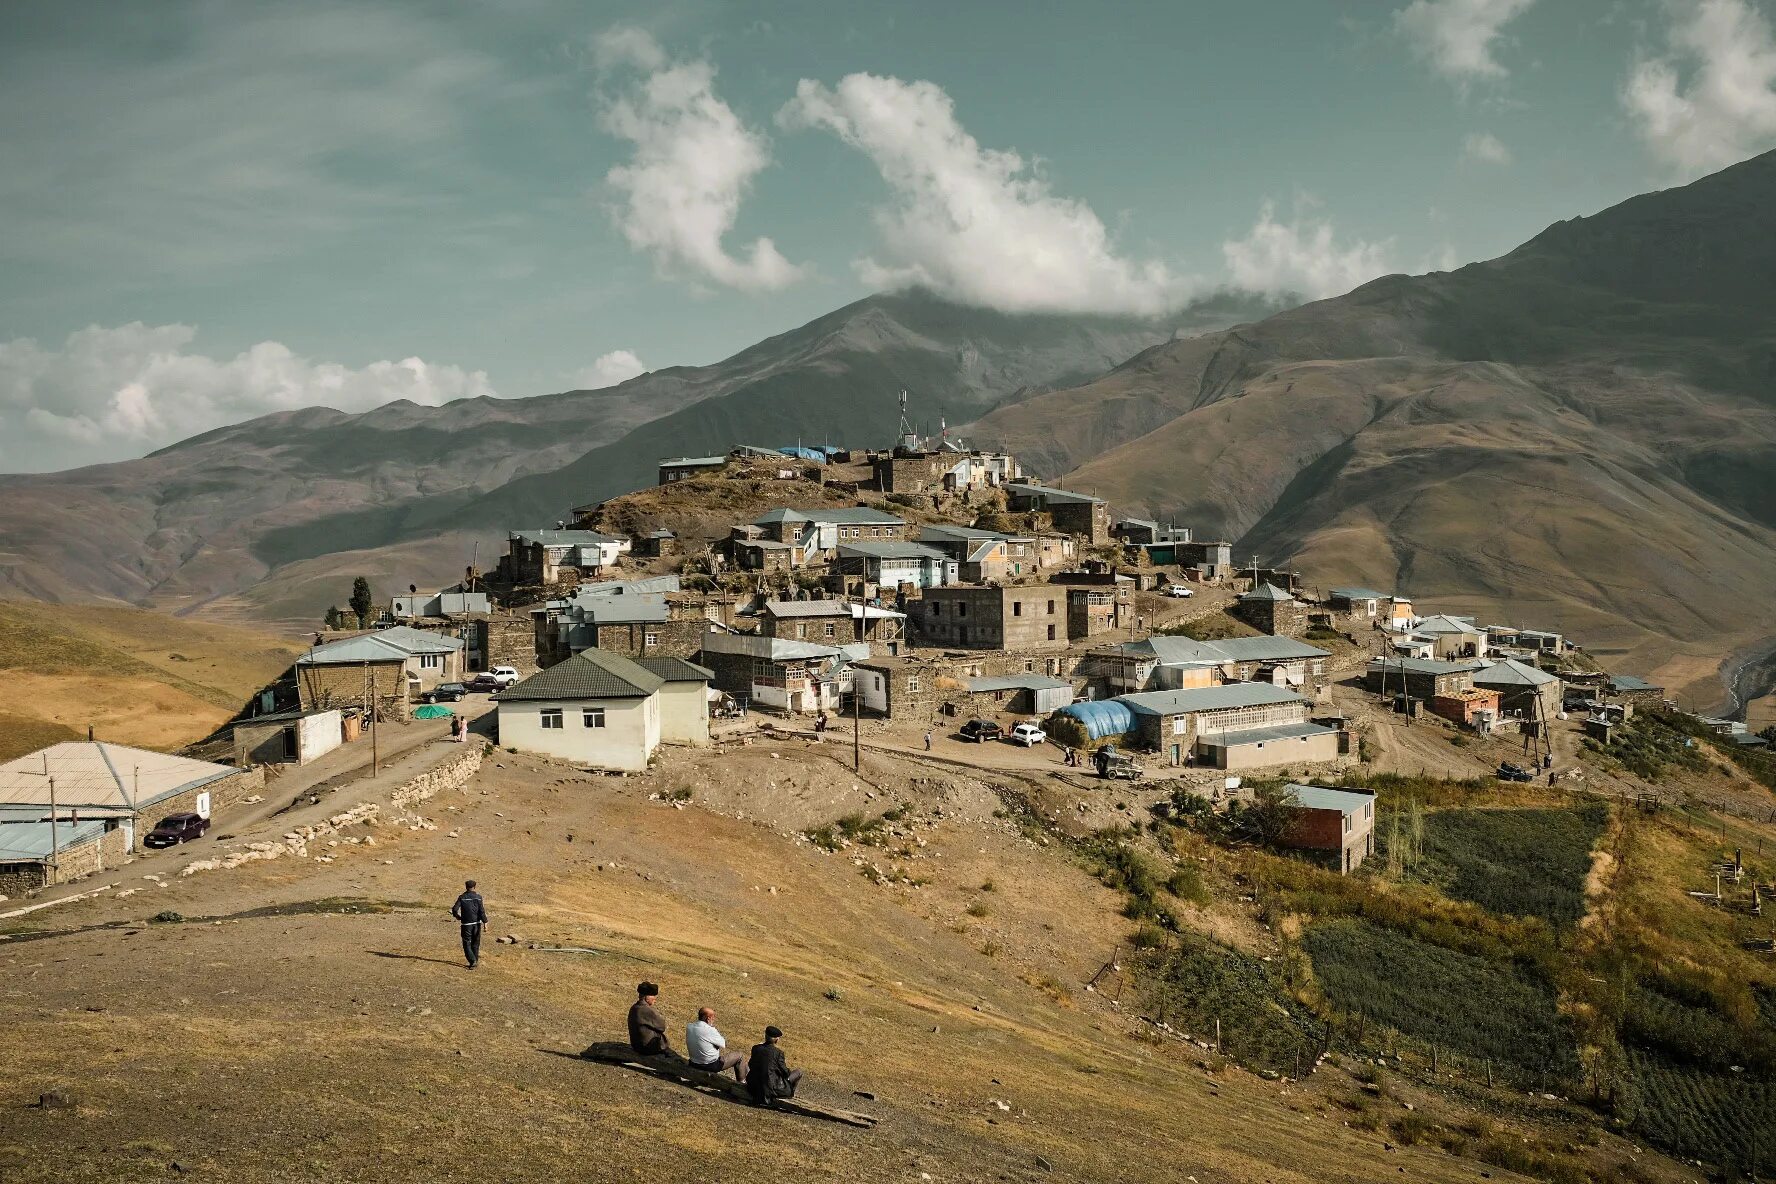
<point x="431" y="661"/>
<point x="962" y="608"/>
<point x="1017" y="608"/>
<point x="650" y="639"/>
<point x="592" y="717"/>
<point x="551" y="719"/>
<point x="1051" y="610"/>
<point x="831" y="629"/>
<point x="1347" y="824"/>
<point x="912" y="682"/>
<point x="1051" y="632"/>
<point x="1029" y="665"/>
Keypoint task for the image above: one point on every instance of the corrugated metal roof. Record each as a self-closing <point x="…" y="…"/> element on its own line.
<point x="807" y="608"/>
<point x="1299" y="731"/>
<point x="675" y="669"/>
<point x="685" y="462"/>
<point x="562" y="538"/>
<point x="1266" y="591"/>
<point x="1017" y="682"/>
<point x="1512" y="673"/>
<point x="1443" y="623"/>
<point x="396" y="644"/>
<point x="28" y="842"/>
<point x="1324" y="797"/>
<point x="1232" y="694"/>
<point x="1359" y="594"/>
<point x="1061" y="496"/>
<point x="1182" y="651"/>
<point x="589" y="674"/>
<point x="892" y="550"/>
<point x="1419" y="665"/>
<point x="102" y="775"/>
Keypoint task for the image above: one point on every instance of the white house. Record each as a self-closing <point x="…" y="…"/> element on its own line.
<point x="606" y="711"/>
<point x="684" y="699"/>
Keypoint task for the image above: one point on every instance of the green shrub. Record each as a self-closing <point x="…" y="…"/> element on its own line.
<point x="1200" y="981"/>
<point x="1187" y="884"/>
<point x="1530" y="863"/>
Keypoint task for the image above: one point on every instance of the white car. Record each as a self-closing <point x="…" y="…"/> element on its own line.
<point x="1029" y="735"/>
<point x="504" y="675"/>
<point x="1178" y="591"/>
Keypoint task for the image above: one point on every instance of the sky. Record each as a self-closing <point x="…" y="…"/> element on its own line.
<point x="213" y="210"/>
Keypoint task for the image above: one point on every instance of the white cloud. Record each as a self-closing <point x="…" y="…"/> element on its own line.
<point x="694" y="161"/>
<point x="1301" y="256"/>
<point x="1485" y="148"/>
<point x="1458" y="37"/>
<point x="620" y="365"/>
<point x="112" y="393"/>
<point x="1712" y="101"/>
<point x="973" y="223"/>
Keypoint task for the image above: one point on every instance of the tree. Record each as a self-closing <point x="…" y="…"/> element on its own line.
<point x="360" y="601"/>
<point x="332" y="619"/>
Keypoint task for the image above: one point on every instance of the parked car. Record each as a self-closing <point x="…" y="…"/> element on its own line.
<point x="481" y="684"/>
<point x="445" y="692"/>
<point x="1510" y="772"/>
<point x="175" y="829"/>
<point x="504" y="675"/>
<point x="982" y="730"/>
<point x="1029" y="735"/>
<point x="1178" y="591"/>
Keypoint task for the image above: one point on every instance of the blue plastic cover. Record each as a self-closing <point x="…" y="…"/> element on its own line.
<point x="1102" y="718"/>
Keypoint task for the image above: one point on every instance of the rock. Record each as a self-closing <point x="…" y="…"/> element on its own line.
<point x="1049" y="1167"/>
<point x="167" y="916"/>
<point x="56" y="1099"/>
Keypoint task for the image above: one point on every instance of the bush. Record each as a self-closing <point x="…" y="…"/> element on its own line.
<point x="1187" y="884"/>
<point x="1530" y="863"/>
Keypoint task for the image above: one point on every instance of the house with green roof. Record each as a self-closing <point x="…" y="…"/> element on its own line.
<point x="602" y="710"/>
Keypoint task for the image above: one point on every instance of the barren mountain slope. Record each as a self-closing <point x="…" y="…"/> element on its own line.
<point x="212" y="516"/>
<point x="1579" y="435"/>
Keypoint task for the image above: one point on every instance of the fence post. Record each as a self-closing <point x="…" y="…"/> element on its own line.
<point x="1217" y="1035"/>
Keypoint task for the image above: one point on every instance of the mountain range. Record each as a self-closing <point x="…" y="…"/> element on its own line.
<point x="1579" y="435"/>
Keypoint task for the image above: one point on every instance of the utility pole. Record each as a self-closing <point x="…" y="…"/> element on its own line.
<point x="856" y="726"/>
<point x="55" y="844"/>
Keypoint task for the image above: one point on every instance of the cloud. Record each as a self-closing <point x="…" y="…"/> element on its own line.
<point x="1712" y="101"/>
<point x="1485" y="148"/>
<point x="1457" y="37"/>
<point x="112" y="393"/>
<point x="693" y="163"/>
<point x="972" y="223"/>
<point x="1301" y="256"/>
<point x="620" y="365"/>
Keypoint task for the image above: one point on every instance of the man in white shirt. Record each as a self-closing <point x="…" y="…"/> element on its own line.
<point x="708" y="1051"/>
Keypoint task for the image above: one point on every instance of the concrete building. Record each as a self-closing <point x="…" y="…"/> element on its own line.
<point x="1271" y="609"/>
<point x="815" y="535"/>
<point x="891" y="565"/>
<point x="1076" y="513"/>
<point x="684" y="699"/>
<point x="1366" y="603"/>
<point x="1144" y="532"/>
<point x="1233" y="726"/>
<point x="1178" y="663"/>
<point x="949" y="468"/>
<point x="439" y="605"/>
<point x="1522" y="689"/>
<point x="559" y="556"/>
<point x="596" y="709"/>
<point x="1028" y="617"/>
<point x="1336" y="824"/>
<point x="1452" y="637"/>
<point x="391" y="667"/>
<point x="288" y="737"/>
<point x="984" y="556"/>
<point x="127" y="789"/>
<point x="1209" y="559"/>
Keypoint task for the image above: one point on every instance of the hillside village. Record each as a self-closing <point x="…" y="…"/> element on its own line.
<point x="1030" y="674"/>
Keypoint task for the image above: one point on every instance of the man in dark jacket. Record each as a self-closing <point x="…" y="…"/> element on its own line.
<point x="647" y="1030"/>
<point x="768" y="1074"/>
<point x="471" y="914"/>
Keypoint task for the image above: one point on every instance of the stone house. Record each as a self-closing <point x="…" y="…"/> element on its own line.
<point x="1271" y="609"/>
<point x="1338" y="825"/>
<point x="1452" y="637"/>
<point x="682" y="468"/>
<point x="1366" y="603"/>
<point x="950" y="469"/>
<point x="1522" y="689"/>
<point x="1026" y="617"/>
<point x="1179" y="663"/>
<point x="984" y="556"/>
<point x="816" y="535"/>
<point x="1075" y="513"/>
<point x="794" y="677"/>
<point x="1097" y="601"/>
<point x="559" y="556"/>
<point x="1210" y="559"/>
<point x="832" y="622"/>
<point x="288" y="737"/>
<point x="889" y="566"/>
<point x="391" y="667"/>
<point x="1423" y="679"/>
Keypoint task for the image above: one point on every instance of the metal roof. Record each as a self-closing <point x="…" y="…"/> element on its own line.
<point x="850" y="515"/>
<point x="395" y="644"/>
<point x="99" y="775"/>
<point x="950" y="532"/>
<point x="1300" y="731"/>
<point x="676" y="669"/>
<point x="1018" y="682"/>
<point x="891" y="550"/>
<point x="562" y="538"/>
<point x="1062" y="496"/>
<point x="1232" y="694"/>
<point x="807" y="608"/>
<point x="1182" y="651"/>
<point x="1324" y="797"/>
<point x="589" y="674"/>
<point x="1512" y="673"/>
<point x="685" y="462"/>
<point x="771" y="649"/>
<point x="1360" y="594"/>
<point x="28" y="842"/>
<point x="1266" y="591"/>
<point x="1628" y="682"/>
<point x="1444" y="623"/>
<point x="1419" y="665"/>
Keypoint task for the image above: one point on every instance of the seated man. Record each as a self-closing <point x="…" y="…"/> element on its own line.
<point x="707" y="1049"/>
<point x="768" y="1075"/>
<point x="647" y="1031"/>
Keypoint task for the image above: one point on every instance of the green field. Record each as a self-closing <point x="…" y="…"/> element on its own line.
<point x="1478" y="1007"/>
<point x="1526" y="863"/>
<point x="1201" y="981"/>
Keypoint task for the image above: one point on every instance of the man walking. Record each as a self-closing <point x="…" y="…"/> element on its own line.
<point x="927" y="741"/>
<point x="471" y="913"/>
<point x="768" y="1074"/>
<point x="708" y="1049"/>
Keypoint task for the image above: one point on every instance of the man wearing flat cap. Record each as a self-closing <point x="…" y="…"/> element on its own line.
<point x="768" y="1074"/>
<point x="647" y="1030"/>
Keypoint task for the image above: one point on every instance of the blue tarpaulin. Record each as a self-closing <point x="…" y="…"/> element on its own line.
<point x="1102" y="718"/>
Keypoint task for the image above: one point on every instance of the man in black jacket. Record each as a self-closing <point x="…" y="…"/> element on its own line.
<point x="647" y="1030"/>
<point x="768" y="1074"/>
<point x="471" y="913"/>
